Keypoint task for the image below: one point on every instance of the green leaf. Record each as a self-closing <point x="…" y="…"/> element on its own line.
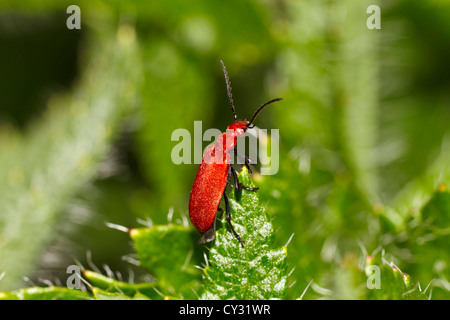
<point x="46" y="166"/>
<point x="429" y="242"/>
<point x="328" y="128"/>
<point x="125" y="288"/>
<point x="355" y="101"/>
<point x="100" y="294"/>
<point x="190" y="99"/>
<point x="394" y="284"/>
<point x="46" y="293"/>
<point x="437" y="210"/>
<point x="415" y="195"/>
<point x="374" y="279"/>
<point x="102" y="287"/>
<point x="170" y="253"/>
<point x="255" y="271"/>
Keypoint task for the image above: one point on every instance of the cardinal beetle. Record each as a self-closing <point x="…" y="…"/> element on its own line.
<point x="214" y="173"/>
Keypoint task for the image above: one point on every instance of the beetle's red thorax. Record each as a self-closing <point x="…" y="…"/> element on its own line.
<point x="227" y="140"/>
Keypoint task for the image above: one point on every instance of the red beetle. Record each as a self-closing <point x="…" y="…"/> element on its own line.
<point x="214" y="172"/>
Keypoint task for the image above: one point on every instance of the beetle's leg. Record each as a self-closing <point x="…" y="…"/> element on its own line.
<point x="220" y="214"/>
<point x="228" y="218"/>
<point x="209" y="235"/>
<point x="237" y="185"/>
<point x="245" y="157"/>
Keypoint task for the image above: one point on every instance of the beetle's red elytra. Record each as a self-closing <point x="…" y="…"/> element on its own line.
<point x="214" y="172"/>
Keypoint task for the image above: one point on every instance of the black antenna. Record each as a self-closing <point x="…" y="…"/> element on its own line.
<point x="230" y="96"/>
<point x="250" y="123"/>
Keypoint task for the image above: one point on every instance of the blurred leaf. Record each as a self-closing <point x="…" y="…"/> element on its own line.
<point x="437" y="210"/>
<point x="47" y="293"/>
<point x="170" y="253"/>
<point x="176" y="92"/>
<point x="415" y="194"/>
<point x="205" y="26"/>
<point x="106" y="295"/>
<point x="355" y="87"/>
<point x="394" y="285"/>
<point x="124" y="288"/>
<point x="255" y="271"/>
<point x="414" y="99"/>
<point x="374" y="279"/>
<point x="327" y="184"/>
<point x="331" y="101"/>
<point x="48" y="164"/>
<point x="429" y="240"/>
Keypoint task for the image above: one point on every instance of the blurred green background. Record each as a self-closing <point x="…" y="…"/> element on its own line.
<point x="86" y="118"/>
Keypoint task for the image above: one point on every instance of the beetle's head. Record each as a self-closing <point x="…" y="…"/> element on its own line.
<point x="238" y="127"/>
